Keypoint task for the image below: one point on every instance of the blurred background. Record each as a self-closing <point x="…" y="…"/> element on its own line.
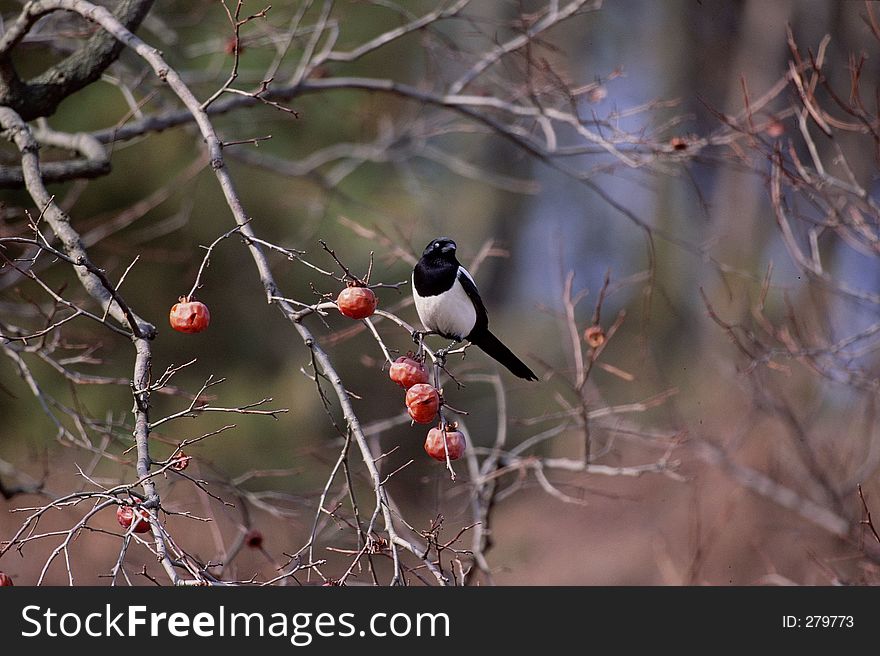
<point x="725" y="216"/>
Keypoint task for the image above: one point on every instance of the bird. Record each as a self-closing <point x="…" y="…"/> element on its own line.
<point x="449" y="305"/>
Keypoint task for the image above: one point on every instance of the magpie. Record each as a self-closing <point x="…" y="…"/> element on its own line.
<point x="449" y="304"/>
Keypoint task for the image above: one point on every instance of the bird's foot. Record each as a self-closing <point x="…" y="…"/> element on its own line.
<point x="418" y="337"/>
<point x="443" y="353"/>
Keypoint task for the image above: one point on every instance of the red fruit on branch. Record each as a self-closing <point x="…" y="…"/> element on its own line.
<point x="5" y="580"/>
<point x="455" y="443"/>
<point x="594" y="336"/>
<point x="125" y="515"/>
<point x="180" y="461"/>
<point x="189" y="316"/>
<point x="422" y="403"/>
<point x="775" y="129"/>
<point x="678" y="143"/>
<point x="232" y="45"/>
<point x="253" y="539"/>
<point x="407" y="372"/>
<point x="357" y="302"/>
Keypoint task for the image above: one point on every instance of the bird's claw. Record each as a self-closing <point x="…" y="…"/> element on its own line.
<point x="443" y="353"/>
<point x="418" y="337"/>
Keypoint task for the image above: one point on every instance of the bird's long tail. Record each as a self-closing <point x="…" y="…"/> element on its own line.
<point x="496" y="349"/>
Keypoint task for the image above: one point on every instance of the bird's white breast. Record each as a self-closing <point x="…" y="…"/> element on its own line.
<point x="451" y="312"/>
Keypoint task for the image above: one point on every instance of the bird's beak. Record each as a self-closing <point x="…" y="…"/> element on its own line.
<point x="449" y="248"/>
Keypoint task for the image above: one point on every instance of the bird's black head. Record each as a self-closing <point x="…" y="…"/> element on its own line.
<point x="442" y="248"/>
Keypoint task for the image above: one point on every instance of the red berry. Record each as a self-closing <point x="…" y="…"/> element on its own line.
<point x="357" y="302"/>
<point x="253" y="539"/>
<point x="594" y="336"/>
<point x="775" y="129"/>
<point x="232" y="44"/>
<point x="5" y="580"/>
<point x="678" y="143"/>
<point x="189" y="316"/>
<point x="180" y="461"/>
<point x="125" y="515"/>
<point x="422" y="403"/>
<point x="407" y="372"/>
<point x="455" y="444"/>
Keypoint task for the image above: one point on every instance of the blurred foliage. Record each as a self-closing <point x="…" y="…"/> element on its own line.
<point x="697" y="52"/>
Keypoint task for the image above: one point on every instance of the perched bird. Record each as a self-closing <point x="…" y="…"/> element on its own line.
<point x="449" y="304"/>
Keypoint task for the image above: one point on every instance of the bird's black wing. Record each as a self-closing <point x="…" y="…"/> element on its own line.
<point x="470" y="288"/>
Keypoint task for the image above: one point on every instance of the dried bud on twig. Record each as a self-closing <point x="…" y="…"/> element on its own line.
<point x="594" y="336"/>
<point x="254" y="539"/>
